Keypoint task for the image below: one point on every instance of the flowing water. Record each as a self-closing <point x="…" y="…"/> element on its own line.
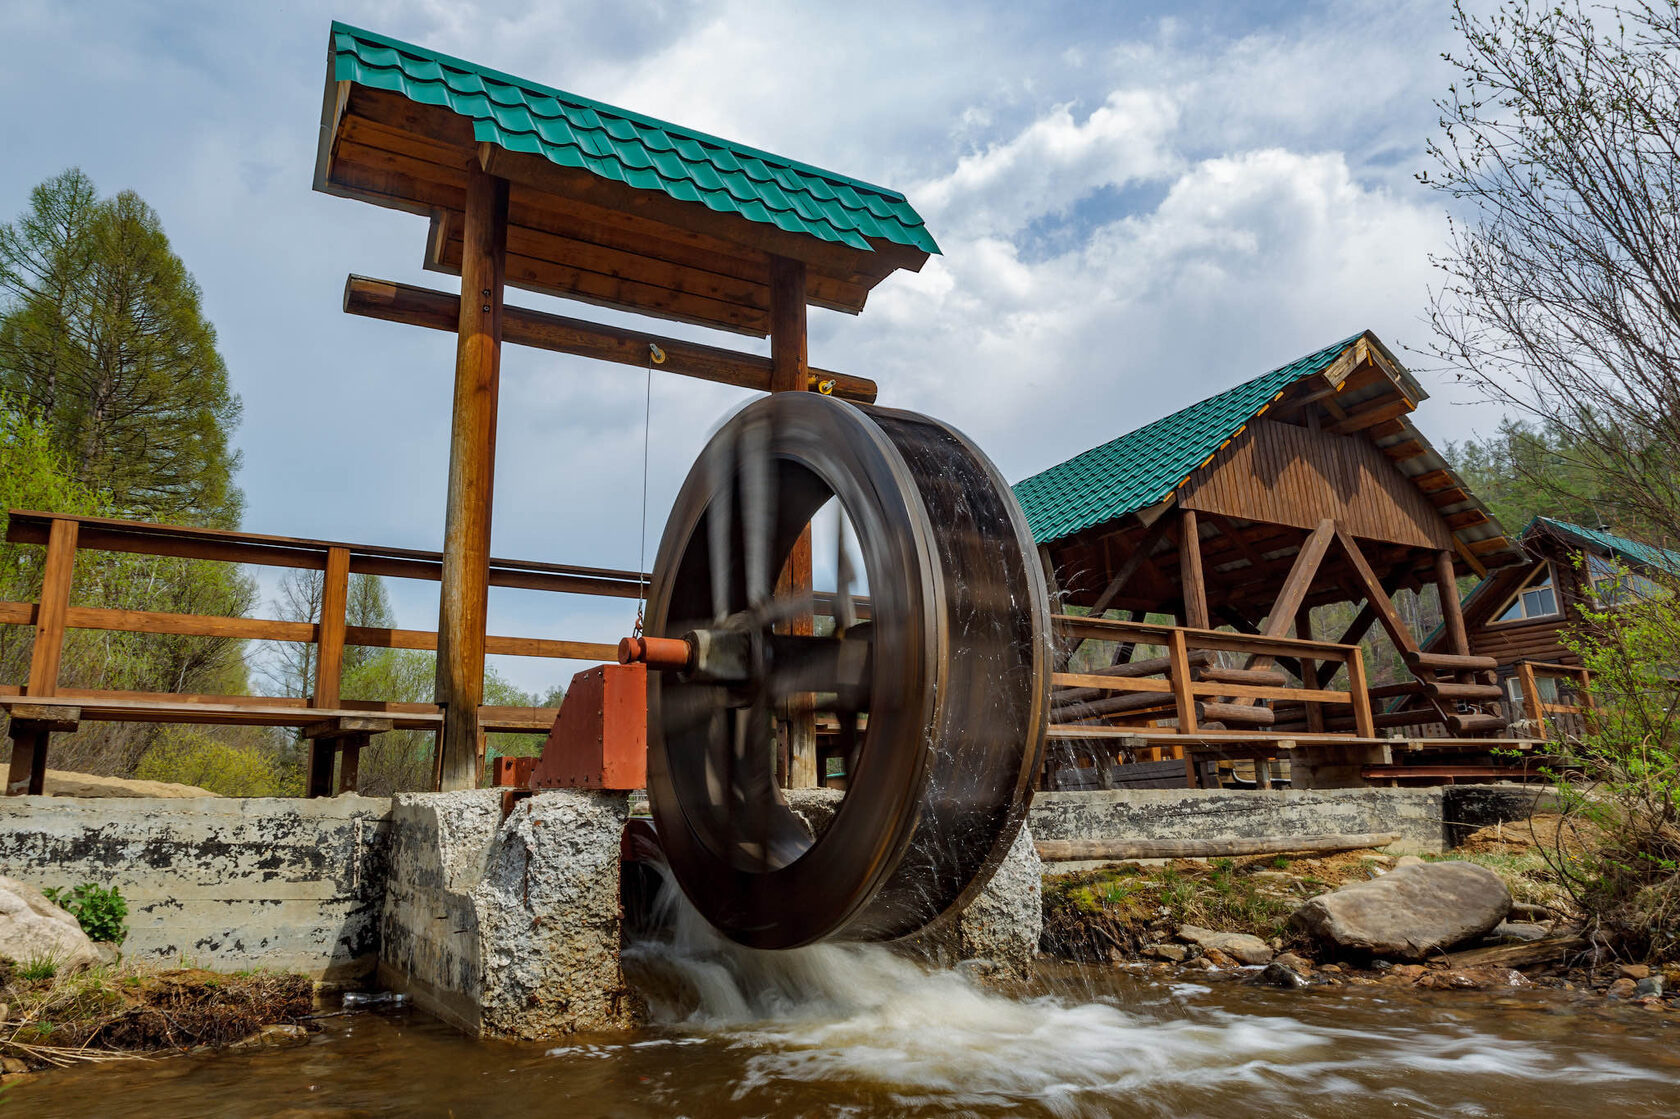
<point x="840" y="1030"/>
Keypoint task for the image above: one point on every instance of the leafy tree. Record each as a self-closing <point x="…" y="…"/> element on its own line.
<point x="1527" y="469"/>
<point x="1562" y="293"/>
<point x="103" y="337"/>
<point x="291" y="665"/>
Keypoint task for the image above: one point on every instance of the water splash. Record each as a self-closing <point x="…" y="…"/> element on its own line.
<point x="864" y="1016"/>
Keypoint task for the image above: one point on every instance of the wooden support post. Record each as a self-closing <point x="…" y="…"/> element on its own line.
<point x="1532" y="708"/>
<point x="27" y="773"/>
<point x="335" y="597"/>
<point x="1452" y="612"/>
<point x="1190" y="572"/>
<point x="1178" y="651"/>
<point x="1359" y="693"/>
<point x="317" y="781"/>
<point x="790" y="372"/>
<point x="58" y="574"/>
<point x="349" y="760"/>
<point x="1304" y="632"/>
<point x="464" y="597"/>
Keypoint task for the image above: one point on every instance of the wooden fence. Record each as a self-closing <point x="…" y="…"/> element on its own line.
<point x="39" y="706"/>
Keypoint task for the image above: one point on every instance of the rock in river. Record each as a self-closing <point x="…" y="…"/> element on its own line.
<point x="1240" y="946"/>
<point x="33" y="928"/>
<point x="1410" y="911"/>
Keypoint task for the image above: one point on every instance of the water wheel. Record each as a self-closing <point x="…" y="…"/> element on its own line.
<point x="930" y="661"/>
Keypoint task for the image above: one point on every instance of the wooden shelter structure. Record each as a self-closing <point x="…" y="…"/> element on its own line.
<point x="1305" y="486"/>
<point x="530" y="186"/>
<point x="527" y="186"/>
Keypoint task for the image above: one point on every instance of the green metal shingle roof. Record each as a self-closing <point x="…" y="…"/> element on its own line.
<point x="649" y="154"/>
<point x="1142" y="467"/>
<point x="1645" y="555"/>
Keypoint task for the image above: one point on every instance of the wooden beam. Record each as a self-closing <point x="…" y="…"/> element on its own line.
<point x="58" y="573"/>
<point x="1390" y="618"/>
<point x="1145" y="545"/>
<point x="1190" y="571"/>
<point x="439" y="310"/>
<point x="464" y="598"/>
<point x="1358" y="421"/>
<point x="1294" y="590"/>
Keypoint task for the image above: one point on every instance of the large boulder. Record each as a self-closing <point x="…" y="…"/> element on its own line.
<point x="33" y="928"/>
<point x="1410" y="911"/>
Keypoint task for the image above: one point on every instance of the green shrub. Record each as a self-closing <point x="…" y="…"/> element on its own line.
<point x="1618" y="854"/>
<point x="188" y="756"/>
<point x="100" y="911"/>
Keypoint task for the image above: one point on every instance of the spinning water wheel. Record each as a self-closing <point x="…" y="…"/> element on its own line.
<point x="940" y="692"/>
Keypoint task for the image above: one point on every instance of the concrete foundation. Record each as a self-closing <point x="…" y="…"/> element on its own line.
<point x="512" y="928"/>
<point x="508" y="928"/>
<point x="1418" y="815"/>
<point x="216" y="882"/>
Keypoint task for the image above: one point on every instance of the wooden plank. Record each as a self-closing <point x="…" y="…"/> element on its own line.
<point x="464" y="595"/>
<point x="1294" y="589"/>
<point x="58" y="572"/>
<point x="1190" y="571"/>
<point x="188" y="625"/>
<point x="1535" y="710"/>
<point x="1150" y="633"/>
<point x="329" y="654"/>
<point x="1254" y="691"/>
<point x="440" y="310"/>
<point x="340" y="725"/>
<point x="117" y="707"/>
<point x="1449" y="662"/>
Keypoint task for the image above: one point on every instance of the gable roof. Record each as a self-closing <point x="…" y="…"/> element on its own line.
<point x="626" y="147"/>
<point x="1601" y="540"/>
<point x="1143" y="467"/>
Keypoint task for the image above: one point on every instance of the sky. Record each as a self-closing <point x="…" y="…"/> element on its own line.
<point x="1139" y="205"/>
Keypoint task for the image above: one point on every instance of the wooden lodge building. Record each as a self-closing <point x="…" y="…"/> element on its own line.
<point x="1306" y="486"/>
<point x="1519" y="616"/>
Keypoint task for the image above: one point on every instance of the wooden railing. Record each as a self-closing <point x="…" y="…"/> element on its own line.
<point x="65" y="537"/>
<point x="1540" y="712"/>
<point x="1193" y="690"/>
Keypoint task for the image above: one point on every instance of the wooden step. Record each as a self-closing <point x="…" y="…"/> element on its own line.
<point x="1448" y="662"/>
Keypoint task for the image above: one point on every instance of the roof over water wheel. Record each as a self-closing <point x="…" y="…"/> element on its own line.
<point x="1357" y="382"/>
<point x="605" y="205"/>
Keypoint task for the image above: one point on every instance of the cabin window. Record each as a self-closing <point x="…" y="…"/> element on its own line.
<point x="1536" y="599"/>
<point x="1613" y="584"/>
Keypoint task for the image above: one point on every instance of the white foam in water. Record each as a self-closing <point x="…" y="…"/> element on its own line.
<point x="834" y="1013"/>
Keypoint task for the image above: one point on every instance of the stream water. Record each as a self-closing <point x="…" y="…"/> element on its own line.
<point x="847" y="1031"/>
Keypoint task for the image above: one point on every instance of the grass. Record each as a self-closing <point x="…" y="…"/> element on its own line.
<point x="37" y="968"/>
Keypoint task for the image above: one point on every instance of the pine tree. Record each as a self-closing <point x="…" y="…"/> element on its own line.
<point x="103" y="336"/>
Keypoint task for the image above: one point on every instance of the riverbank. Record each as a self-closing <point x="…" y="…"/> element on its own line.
<point x="50" y="1019"/>
<point x="1233" y="919"/>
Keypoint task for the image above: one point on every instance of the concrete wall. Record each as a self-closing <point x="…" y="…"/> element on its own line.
<point x="223" y="883"/>
<point x="1418" y="815"/>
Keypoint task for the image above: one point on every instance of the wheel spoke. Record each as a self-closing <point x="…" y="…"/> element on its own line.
<point x="845" y="610"/>
<point x="720" y="517"/>
<point x="758" y="510"/>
